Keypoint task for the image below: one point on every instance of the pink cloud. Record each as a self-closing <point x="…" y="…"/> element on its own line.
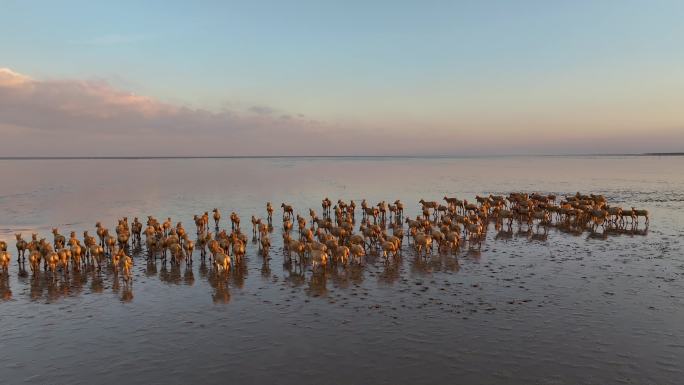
<point x="9" y="78"/>
<point x="43" y="116"/>
<point x="90" y="118"/>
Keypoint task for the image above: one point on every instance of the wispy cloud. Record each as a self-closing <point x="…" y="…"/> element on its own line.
<point x="112" y="39"/>
<point x="262" y="110"/>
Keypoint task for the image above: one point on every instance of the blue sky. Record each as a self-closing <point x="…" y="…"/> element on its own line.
<point x="399" y="67"/>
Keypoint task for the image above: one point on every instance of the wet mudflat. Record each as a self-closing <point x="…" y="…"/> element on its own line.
<point x="525" y="308"/>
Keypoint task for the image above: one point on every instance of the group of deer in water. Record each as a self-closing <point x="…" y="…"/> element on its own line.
<point x="321" y="240"/>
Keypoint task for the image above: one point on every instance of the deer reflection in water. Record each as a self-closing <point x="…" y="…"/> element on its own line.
<point x="127" y="293"/>
<point x="349" y="275"/>
<point x="266" y="268"/>
<point x="37" y="287"/>
<point x="151" y="268"/>
<point x="239" y="273"/>
<point x="77" y="280"/>
<point x="296" y="273"/>
<point x="221" y="280"/>
<point x="391" y="272"/>
<point x="125" y="290"/>
<point x="219" y="284"/>
<point x="444" y="262"/>
<point x="504" y="234"/>
<point x="421" y="266"/>
<point x="96" y="282"/>
<point x="5" y="291"/>
<point x="203" y="269"/>
<point x="317" y="283"/>
<point x="539" y="237"/>
<point x="526" y="233"/>
<point x="57" y="289"/>
<point x="188" y="276"/>
<point x="631" y="230"/>
<point x="116" y="286"/>
<point x="474" y="254"/>
<point x="172" y="276"/>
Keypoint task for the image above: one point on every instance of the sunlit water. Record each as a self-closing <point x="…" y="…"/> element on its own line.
<point x="525" y="309"/>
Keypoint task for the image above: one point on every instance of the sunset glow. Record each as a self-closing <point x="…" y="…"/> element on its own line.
<point x="435" y="78"/>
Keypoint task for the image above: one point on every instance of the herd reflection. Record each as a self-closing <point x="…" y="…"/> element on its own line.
<point x="315" y="253"/>
<point x="314" y="282"/>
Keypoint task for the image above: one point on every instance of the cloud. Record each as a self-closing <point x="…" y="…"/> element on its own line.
<point x="93" y="118"/>
<point x="75" y="117"/>
<point x="262" y="110"/>
<point x="9" y="78"/>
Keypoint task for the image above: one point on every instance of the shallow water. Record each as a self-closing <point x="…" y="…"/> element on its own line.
<point x="524" y="309"/>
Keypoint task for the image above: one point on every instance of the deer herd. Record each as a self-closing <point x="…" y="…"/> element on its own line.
<point x="331" y="239"/>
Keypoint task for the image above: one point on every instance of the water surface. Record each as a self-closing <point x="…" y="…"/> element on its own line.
<point x="524" y="309"/>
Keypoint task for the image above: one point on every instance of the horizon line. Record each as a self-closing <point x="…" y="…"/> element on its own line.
<point x="441" y="156"/>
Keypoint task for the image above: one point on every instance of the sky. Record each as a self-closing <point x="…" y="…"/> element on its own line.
<point x="231" y="78"/>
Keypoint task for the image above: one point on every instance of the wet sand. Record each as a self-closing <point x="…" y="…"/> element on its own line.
<point x="524" y="309"/>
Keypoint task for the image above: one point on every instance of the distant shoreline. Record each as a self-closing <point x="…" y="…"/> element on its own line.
<point x="161" y="157"/>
